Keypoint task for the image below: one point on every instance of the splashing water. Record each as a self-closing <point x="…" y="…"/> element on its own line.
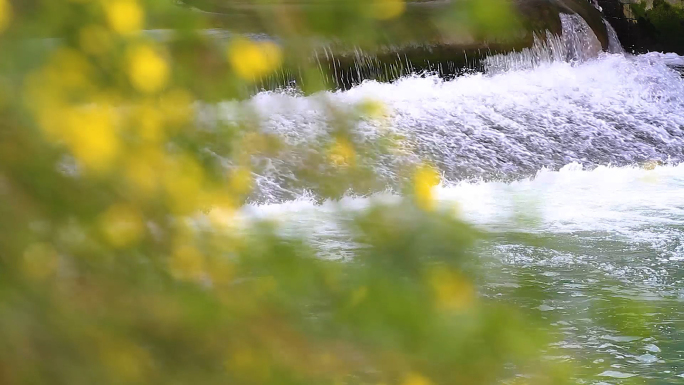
<point x="577" y="43"/>
<point x="548" y="143"/>
<point x="615" y="110"/>
<point x="614" y="45"/>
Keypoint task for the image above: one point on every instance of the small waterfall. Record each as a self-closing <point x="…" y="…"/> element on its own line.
<point x="578" y="43"/>
<point x="344" y="67"/>
<point x="580" y="40"/>
<point x="543" y="51"/>
<point x="614" y="45"/>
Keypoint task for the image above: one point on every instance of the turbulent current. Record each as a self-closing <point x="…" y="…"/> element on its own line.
<point x="545" y="107"/>
<point x="577" y="150"/>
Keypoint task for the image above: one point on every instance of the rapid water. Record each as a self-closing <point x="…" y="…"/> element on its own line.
<point x="571" y="162"/>
<point x="614" y="110"/>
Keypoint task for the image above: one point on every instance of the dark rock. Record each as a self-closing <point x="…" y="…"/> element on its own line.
<point x="423" y="38"/>
<point x="660" y="28"/>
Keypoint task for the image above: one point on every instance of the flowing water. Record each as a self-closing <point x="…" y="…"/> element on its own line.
<point x="571" y="160"/>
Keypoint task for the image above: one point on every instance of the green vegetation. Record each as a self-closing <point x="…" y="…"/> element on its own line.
<point x="664" y="23"/>
<point x="123" y="259"/>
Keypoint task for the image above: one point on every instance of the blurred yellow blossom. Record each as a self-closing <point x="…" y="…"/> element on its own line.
<point x="248" y="365"/>
<point x="122" y="225"/>
<point x="187" y="263"/>
<point x="5" y="14"/>
<point x="124" y="360"/>
<point x="40" y="261"/>
<point x="342" y="153"/>
<point x="221" y="270"/>
<point x="252" y="60"/>
<point x="251" y="143"/>
<point x="651" y="165"/>
<point x="265" y="286"/>
<point x="51" y="118"/>
<point x="386" y="9"/>
<point x="176" y="105"/>
<point x="147" y="69"/>
<point x="150" y="123"/>
<point x="425" y="179"/>
<point x="124" y="16"/>
<point x="67" y="69"/>
<point x="452" y="290"/>
<point x="92" y="137"/>
<point x="241" y="181"/>
<point x="241" y="359"/>
<point x="416" y="379"/>
<point x="142" y="170"/>
<point x="183" y="182"/>
<point x="223" y="216"/>
<point x="456" y="209"/>
<point x="94" y="39"/>
<point x="373" y="109"/>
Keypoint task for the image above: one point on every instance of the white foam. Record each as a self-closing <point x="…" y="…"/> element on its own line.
<point x="616" y="374"/>
<point x="624" y="201"/>
<point x="617" y="109"/>
<point x="558" y="197"/>
<point x="604" y="199"/>
<point x="671" y="59"/>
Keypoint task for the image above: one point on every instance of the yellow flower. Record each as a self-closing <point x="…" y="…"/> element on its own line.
<point x="425" y="179"/>
<point x="40" y="261"/>
<point x="223" y="216"/>
<point x="147" y="69"/>
<point x="92" y="138"/>
<point x="265" y="286"/>
<point x="416" y="379"/>
<point x="183" y="183"/>
<point x="342" y="153"/>
<point x="252" y="143"/>
<point x="51" y="119"/>
<point x="373" y="109"/>
<point x="651" y="165"/>
<point x="176" y="105"/>
<point x="452" y="290"/>
<point x="251" y="60"/>
<point x="386" y="9"/>
<point x="122" y="225"/>
<point x="150" y="123"/>
<point x="94" y="39"/>
<point x="248" y="365"/>
<point x="242" y="358"/>
<point x="142" y="170"/>
<point x="123" y="359"/>
<point x="221" y="271"/>
<point x="5" y="14"/>
<point x="241" y="181"/>
<point x="187" y="264"/>
<point x="124" y="16"/>
<point x="68" y="69"/>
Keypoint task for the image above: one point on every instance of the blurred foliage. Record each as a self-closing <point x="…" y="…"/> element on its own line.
<point x="123" y="259"/>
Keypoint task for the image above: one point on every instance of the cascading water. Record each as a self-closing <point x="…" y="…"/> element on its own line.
<point x="577" y="43"/>
<point x="502" y="125"/>
<point x="614" y="45"/>
<point x="550" y="142"/>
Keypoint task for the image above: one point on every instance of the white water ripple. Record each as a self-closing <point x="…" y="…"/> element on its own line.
<point x="618" y="110"/>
